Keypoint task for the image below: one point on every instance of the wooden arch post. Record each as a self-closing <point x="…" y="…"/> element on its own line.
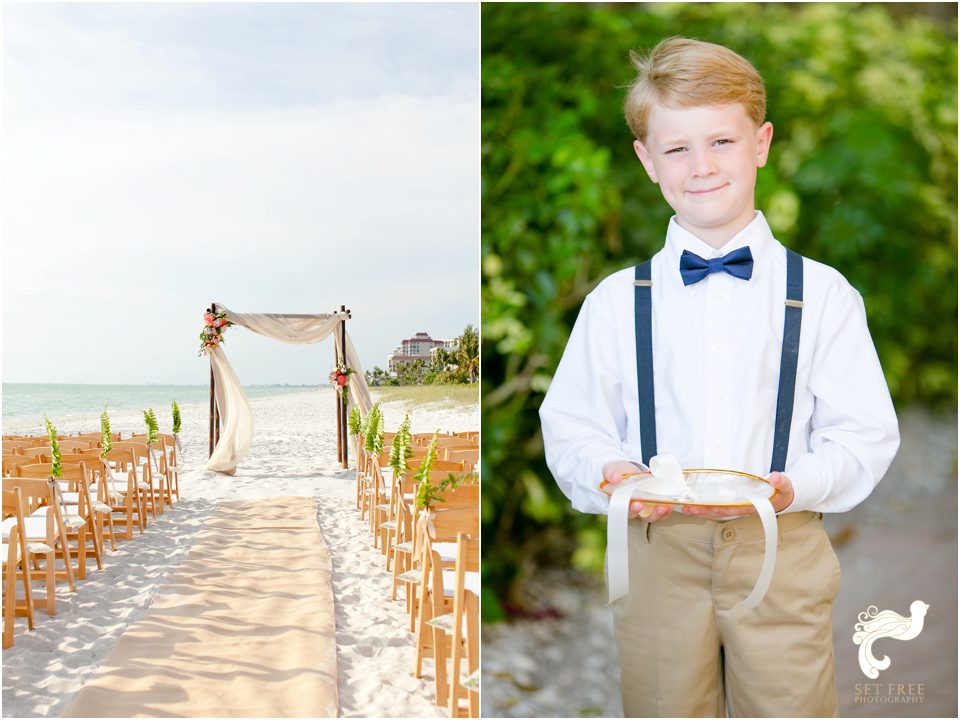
<point x="341" y="401"/>
<point x="214" y="409"/>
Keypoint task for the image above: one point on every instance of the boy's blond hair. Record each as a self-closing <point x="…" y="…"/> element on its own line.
<point x="680" y="72"/>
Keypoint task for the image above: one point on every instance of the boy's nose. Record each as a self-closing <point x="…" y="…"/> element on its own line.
<point x="703" y="164"/>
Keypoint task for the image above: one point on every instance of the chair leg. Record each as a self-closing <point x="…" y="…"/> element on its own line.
<point x="97" y="544"/>
<point x="413" y="606"/>
<point x="67" y="560"/>
<point x="51" y="573"/>
<point x="10" y="590"/>
<point x="141" y="510"/>
<point x="27" y="591"/>
<point x="422" y="635"/>
<point x="113" y="531"/>
<point x="440" y="666"/>
<point x="454" y="689"/>
<point x="396" y="574"/>
<point x="81" y="553"/>
<point x="472" y="610"/>
<point x="153" y="502"/>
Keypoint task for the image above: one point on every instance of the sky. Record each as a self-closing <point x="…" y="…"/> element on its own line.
<point x="288" y="158"/>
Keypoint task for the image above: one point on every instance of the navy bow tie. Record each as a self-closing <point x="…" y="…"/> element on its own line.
<point x="694" y="268"/>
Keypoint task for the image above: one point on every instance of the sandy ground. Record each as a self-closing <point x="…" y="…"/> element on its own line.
<point x="293" y="453"/>
<point x="900" y="545"/>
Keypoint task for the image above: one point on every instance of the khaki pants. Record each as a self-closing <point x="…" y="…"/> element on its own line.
<point x="688" y="650"/>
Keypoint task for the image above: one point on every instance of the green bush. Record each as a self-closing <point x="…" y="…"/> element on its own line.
<point x="862" y="176"/>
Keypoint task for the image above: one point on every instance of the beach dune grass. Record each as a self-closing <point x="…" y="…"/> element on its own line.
<point x="416" y="395"/>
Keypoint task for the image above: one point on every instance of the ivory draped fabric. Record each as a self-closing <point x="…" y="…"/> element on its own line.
<point x="236" y="418"/>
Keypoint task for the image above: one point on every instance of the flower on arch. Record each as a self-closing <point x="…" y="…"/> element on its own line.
<point x="340" y="379"/>
<point x="214" y="325"/>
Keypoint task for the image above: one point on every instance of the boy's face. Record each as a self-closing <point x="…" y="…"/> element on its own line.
<point x="705" y="160"/>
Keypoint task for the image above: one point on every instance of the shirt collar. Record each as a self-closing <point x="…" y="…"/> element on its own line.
<point x="757" y="236"/>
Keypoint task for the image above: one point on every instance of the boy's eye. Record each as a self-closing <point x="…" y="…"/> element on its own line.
<point x="724" y="141"/>
<point x="674" y="150"/>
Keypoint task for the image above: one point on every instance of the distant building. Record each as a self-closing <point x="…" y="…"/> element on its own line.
<point x="419" y="347"/>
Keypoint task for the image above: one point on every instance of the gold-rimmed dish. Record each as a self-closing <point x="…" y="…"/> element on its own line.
<point x="733" y="480"/>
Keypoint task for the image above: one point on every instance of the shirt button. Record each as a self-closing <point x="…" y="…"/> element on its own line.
<point x="718" y="347"/>
<point x="718" y="396"/>
<point x="717" y="446"/>
<point x="729" y="534"/>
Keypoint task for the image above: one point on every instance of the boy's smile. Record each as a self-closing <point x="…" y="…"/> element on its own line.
<point x="705" y="160"/>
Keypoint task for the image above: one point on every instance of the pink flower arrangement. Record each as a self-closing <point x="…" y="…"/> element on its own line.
<point x="340" y="378"/>
<point x="212" y="334"/>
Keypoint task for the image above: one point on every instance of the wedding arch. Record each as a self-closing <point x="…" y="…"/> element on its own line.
<point x="231" y="420"/>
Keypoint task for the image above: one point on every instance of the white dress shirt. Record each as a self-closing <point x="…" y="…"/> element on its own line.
<point x="716" y="359"/>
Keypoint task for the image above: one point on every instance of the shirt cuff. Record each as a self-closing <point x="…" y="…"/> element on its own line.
<point x="807" y="485"/>
<point x="594" y="500"/>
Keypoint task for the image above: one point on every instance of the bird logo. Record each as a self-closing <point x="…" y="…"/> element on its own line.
<point x="875" y="624"/>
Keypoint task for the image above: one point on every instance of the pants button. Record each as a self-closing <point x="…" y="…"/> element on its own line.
<point x="729" y="534"/>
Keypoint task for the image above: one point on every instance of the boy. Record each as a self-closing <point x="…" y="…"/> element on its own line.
<point x="719" y="352"/>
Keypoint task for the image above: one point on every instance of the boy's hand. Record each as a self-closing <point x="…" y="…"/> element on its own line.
<point x="613" y="474"/>
<point x="782" y="501"/>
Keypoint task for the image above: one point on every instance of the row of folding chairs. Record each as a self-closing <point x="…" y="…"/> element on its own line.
<point x="433" y="556"/>
<point x="52" y="527"/>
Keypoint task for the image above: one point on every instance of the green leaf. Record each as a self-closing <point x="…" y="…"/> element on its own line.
<point x="106" y="443"/>
<point x="56" y="469"/>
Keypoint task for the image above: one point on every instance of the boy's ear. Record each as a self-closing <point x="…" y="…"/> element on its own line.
<point x="764" y="138"/>
<point x="644" y="155"/>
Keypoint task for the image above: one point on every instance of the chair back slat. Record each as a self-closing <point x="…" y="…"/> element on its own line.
<point x="446" y="523"/>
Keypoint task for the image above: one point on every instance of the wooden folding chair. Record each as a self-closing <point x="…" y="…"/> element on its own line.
<point x="34" y="450"/>
<point x="12" y="462"/>
<point x="466" y="455"/>
<point x="76" y="507"/>
<point x="464" y="626"/>
<point x="157" y="454"/>
<point x="406" y="561"/>
<point x="389" y="511"/>
<point x="439" y="528"/>
<point x="68" y="445"/>
<point x="159" y="478"/>
<point x="141" y="462"/>
<point x="45" y="526"/>
<point x="11" y="446"/>
<point x="16" y="566"/>
<point x="123" y="491"/>
<point x="376" y="493"/>
<point x="170" y="466"/>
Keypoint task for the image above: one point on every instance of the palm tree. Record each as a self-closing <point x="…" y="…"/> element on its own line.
<point x="468" y="352"/>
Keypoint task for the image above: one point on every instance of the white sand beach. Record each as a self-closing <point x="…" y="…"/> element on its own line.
<point x="293" y="454"/>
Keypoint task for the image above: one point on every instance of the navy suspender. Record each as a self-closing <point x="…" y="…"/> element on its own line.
<point x="788" y="360"/>
<point x="643" y="316"/>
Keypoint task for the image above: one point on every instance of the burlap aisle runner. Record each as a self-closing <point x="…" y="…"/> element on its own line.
<point x="244" y="628"/>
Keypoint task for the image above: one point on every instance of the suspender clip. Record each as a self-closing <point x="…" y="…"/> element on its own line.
<point x="794" y="303"/>
<point x="643" y="283"/>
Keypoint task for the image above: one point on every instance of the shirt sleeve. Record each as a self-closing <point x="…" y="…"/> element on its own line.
<point x="854" y="434"/>
<point x="582" y="415"/>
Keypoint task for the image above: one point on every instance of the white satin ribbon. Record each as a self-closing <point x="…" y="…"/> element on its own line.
<point x="618" y="561"/>
<point x="155" y="456"/>
<point x="618" y="565"/>
<point x="769" y="521"/>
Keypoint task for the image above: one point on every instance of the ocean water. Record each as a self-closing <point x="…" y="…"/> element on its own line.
<point x="34" y="400"/>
